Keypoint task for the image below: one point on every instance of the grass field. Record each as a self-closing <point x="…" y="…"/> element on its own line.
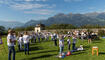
<point x="47" y="51"/>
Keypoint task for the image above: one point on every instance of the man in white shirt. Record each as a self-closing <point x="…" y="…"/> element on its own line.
<point x="11" y="43"/>
<point x="26" y="39"/>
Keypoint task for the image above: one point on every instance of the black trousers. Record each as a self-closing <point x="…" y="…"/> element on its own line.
<point x="69" y="47"/>
<point x="55" y="42"/>
<point x="73" y="46"/>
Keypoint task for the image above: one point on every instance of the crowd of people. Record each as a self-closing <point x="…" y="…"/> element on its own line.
<point x="25" y="39"/>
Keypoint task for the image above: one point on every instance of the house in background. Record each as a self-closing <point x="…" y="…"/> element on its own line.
<point x="39" y="27"/>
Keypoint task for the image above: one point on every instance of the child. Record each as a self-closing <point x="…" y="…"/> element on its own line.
<point x="61" y="45"/>
<point x="1" y="40"/>
<point x="20" y="41"/>
<point x="68" y="42"/>
<point x="74" y="38"/>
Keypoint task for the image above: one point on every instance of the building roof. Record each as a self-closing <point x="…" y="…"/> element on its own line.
<point x="40" y="25"/>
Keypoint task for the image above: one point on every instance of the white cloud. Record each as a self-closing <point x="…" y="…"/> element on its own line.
<point x="41" y="0"/>
<point x="28" y="0"/>
<point x="100" y="10"/>
<point x="8" y="2"/>
<point x="27" y="6"/>
<point x="73" y="0"/>
<point x="36" y="0"/>
<point x="31" y="8"/>
<point x="52" y="6"/>
<point x="40" y="12"/>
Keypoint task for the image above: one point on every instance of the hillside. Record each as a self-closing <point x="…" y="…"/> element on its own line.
<point x="75" y="19"/>
<point x="11" y="24"/>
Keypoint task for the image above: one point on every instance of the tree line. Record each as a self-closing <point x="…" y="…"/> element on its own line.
<point x="3" y="30"/>
<point x="70" y="26"/>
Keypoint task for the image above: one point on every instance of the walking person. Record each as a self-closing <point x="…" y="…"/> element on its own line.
<point x="11" y="43"/>
<point x="26" y="39"/>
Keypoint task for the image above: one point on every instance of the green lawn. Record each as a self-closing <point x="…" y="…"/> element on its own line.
<point x="47" y="51"/>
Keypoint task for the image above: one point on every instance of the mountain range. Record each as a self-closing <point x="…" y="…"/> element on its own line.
<point x="75" y="19"/>
<point x="11" y="24"/>
<point x="61" y="18"/>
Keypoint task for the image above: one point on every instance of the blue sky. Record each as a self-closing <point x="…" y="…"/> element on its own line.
<point x="25" y="10"/>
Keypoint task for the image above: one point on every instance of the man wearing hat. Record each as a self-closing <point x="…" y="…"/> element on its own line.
<point x="11" y="44"/>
